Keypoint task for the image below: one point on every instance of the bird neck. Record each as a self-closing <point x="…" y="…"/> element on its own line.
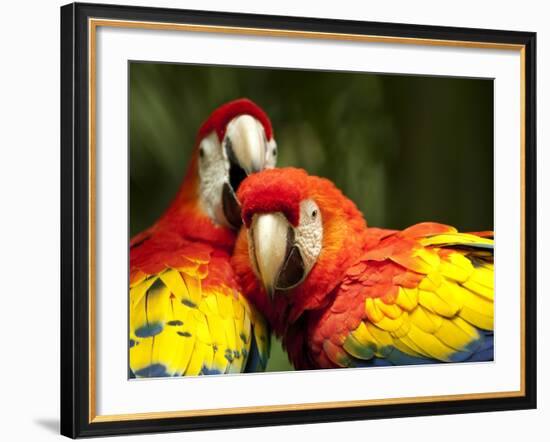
<point x="343" y="245"/>
<point x="187" y="217"/>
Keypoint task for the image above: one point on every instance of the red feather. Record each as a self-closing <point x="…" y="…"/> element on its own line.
<point x="185" y="235"/>
<point x="276" y="190"/>
<point x="356" y="263"/>
<point x="220" y="118"/>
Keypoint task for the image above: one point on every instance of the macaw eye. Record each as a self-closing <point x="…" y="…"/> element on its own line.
<point x="274" y="151"/>
<point x="314" y="214"/>
<point x="201" y="152"/>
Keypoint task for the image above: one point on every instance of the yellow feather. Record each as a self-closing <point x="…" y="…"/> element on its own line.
<point x="239" y="325"/>
<point x="430" y="344"/>
<point x="180" y="347"/>
<point x="407" y="298"/>
<point x="165" y="350"/>
<point x="436" y="278"/>
<point x="484" y="275"/>
<point x="244" y="337"/>
<point x="405" y="327"/>
<point x="181" y="312"/>
<point x="198" y="357"/>
<point x="433" y="302"/>
<point x="236" y="365"/>
<point x="231" y="338"/>
<point x="238" y="308"/>
<point x="247" y="327"/>
<point x="356" y="349"/>
<point x="428" y="284"/>
<point x="194" y="289"/>
<point x="173" y="280"/>
<point x="392" y="311"/>
<point x="390" y="325"/>
<point x="373" y="312"/>
<point x="138" y="291"/>
<point x="363" y="336"/>
<point x="141" y="354"/>
<point x="425" y="320"/>
<point x="169" y="342"/>
<point x="180" y="343"/>
<point x="428" y="256"/>
<point x="465" y="326"/>
<point x="201" y="327"/>
<point x="193" y="329"/>
<point x="456" y="267"/>
<point x="219" y="362"/>
<point x="234" y="344"/>
<point x="220" y="344"/>
<point x="260" y="331"/>
<point x="457" y="337"/>
<point x="476" y="287"/>
<point x="186" y="350"/>
<point x="447" y="293"/>
<point x="477" y="319"/>
<point x="242" y="300"/>
<point x="411" y="349"/>
<point x="475" y="302"/>
<point x="225" y="305"/>
<point x="209" y="304"/>
<point x="158" y="303"/>
<point x="216" y="327"/>
<point x="138" y="315"/>
<point x="382" y="337"/>
<point x="455" y="238"/>
<point x="405" y="342"/>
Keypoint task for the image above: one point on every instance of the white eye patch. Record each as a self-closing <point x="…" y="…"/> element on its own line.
<point x="244" y="150"/>
<point x="309" y="233"/>
<point x="213" y="173"/>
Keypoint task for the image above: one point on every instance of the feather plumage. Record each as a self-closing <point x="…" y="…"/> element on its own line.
<point x="189" y="317"/>
<point x="374" y="296"/>
<point x="187" y="313"/>
<point x="437" y="306"/>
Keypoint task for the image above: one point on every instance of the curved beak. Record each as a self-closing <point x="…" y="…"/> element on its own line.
<point x="275" y="254"/>
<point x="246" y="152"/>
<point x="246" y="147"/>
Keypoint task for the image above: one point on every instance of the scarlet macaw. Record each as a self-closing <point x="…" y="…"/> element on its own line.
<point x="187" y="313"/>
<point x="342" y="294"/>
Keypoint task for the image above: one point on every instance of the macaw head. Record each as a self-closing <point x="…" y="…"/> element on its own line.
<point x="235" y="141"/>
<point x="301" y="234"/>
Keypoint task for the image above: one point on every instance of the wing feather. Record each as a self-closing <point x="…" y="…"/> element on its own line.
<point x="439" y="307"/>
<point x="188" y="318"/>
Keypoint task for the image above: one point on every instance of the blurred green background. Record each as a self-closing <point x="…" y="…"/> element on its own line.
<point x="406" y="149"/>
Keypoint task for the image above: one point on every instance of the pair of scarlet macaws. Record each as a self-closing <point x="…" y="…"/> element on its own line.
<point x="205" y="295"/>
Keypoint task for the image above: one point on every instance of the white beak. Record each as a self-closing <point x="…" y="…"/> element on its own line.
<point x="247" y="143"/>
<point x="269" y="236"/>
<point x="278" y="259"/>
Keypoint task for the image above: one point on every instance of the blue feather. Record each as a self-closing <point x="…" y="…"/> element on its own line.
<point x="254" y="362"/>
<point x="152" y="371"/>
<point x="485" y="352"/>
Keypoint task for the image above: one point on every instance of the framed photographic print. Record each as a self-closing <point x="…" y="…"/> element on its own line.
<point x="279" y="220"/>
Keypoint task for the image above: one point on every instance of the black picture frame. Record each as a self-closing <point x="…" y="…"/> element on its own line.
<point x="75" y="221"/>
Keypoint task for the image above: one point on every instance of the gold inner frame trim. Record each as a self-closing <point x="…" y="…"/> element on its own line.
<point x="93" y="24"/>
